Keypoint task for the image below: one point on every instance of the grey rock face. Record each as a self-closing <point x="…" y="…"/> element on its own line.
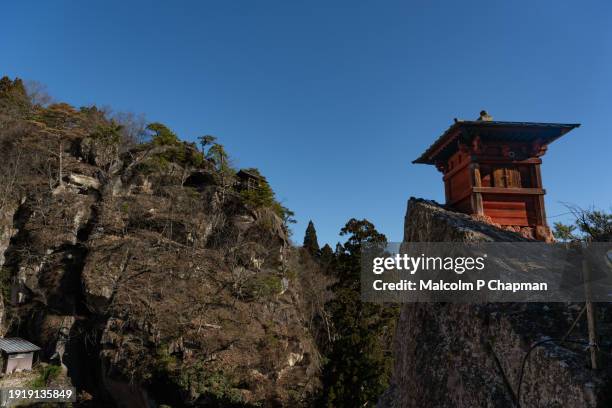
<point x="452" y="355"/>
<point x="123" y="272"/>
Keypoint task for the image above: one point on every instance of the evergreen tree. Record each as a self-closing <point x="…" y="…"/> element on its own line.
<point x="260" y="196"/>
<point x="311" y="244"/>
<point x="13" y="97"/>
<point x="595" y="225"/>
<point x="339" y="249"/>
<point x="205" y="141"/>
<point x="263" y="196"/>
<point x="564" y="232"/>
<point x="589" y="225"/>
<point x="162" y="135"/>
<point x="219" y="156"/>
<point x="327" y="258"/>
<point x="359" y="363"/>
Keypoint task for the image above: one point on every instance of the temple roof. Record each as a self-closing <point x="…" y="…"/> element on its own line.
<point x="444" y="146"/>
<point x="247" y="173"/>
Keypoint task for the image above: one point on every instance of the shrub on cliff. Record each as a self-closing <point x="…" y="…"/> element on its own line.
<point x="13" y="97"/>
<point x="161" y="135"/>
<point x="263" y="197"/>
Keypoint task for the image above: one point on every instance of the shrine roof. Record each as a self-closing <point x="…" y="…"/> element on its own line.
<point x="446" y="144"/>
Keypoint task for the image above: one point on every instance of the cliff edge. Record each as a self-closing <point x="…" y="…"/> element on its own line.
<point x="470" y="355"/>
<point x="142" y="269"/>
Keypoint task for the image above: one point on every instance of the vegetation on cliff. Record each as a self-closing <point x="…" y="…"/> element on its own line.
<point x="137" y="261"/>
<point x="589" y="225"/>
<point x="358" y="360"/>
<point x="134" y="260"/>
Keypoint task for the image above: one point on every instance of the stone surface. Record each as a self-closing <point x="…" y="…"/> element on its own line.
<point x="84" y="181"/>
<point x="150" y="291"/>
<point x="453" y="355"/>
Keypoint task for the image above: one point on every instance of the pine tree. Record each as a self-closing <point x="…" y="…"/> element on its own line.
<point x="205" y="141"/>
<point x="13" y="97"/>
<point x="564" y="233"/>
<point x="589" y="225"/>
<point x="162" y="135"/>
<point x="310" y="240"/>
<point x="327" y="257"/>
<point x="359" y="363"/>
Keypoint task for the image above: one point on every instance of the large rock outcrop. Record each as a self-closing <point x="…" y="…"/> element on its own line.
<point x="470" y="355"/>
<point x="146" y="274"/>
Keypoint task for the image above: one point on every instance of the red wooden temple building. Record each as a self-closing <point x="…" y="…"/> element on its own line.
<point x="492" y="170"/>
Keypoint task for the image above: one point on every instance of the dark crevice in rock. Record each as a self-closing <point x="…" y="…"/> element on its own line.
<point x="82" y="357"/>
<point x="12" y="261"/>
<point x="65" y="295"/>
<point x="12" y="254"/>
<point x="84" y="232"/>
<point x="199" y="180"/>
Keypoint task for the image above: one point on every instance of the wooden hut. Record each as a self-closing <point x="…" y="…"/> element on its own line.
<point x="17" y="354"/>
<point x="248" y="180"/>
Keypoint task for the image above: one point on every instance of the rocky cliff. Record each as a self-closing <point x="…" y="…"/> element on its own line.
<point x="453" y="355"/>
<point x="142" y="270"/>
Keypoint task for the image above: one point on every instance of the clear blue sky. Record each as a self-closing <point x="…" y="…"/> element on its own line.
<point x="333" y="100"/>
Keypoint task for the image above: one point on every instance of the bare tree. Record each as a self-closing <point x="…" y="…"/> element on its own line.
<point x="589" y="224"/>
<point x="37" y="93"/>
<point x="133" y="127"/>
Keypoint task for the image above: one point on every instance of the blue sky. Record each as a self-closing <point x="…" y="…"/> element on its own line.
<point x="333" y="100"/>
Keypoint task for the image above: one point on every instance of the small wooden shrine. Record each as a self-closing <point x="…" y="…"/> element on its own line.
<point x="492" y="169"/>
<point x="248" y="179"/>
